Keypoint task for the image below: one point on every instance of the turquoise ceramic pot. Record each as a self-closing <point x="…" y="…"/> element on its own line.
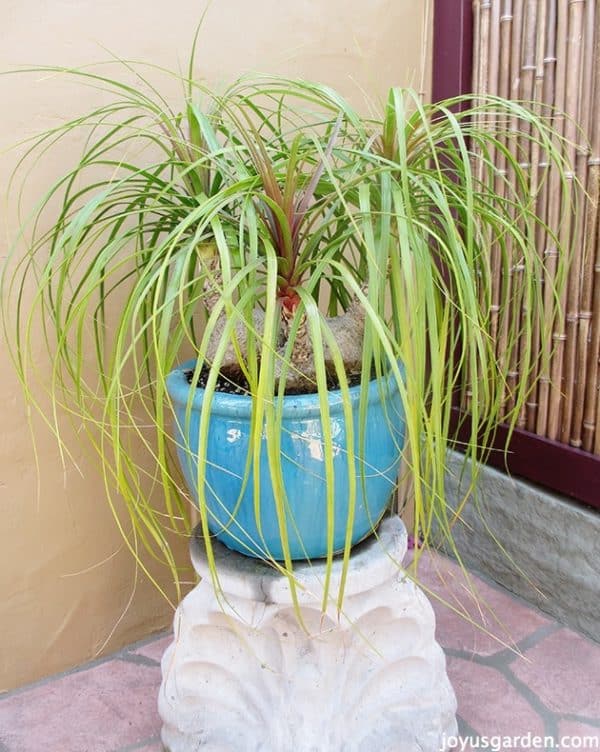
<point x="230" y="502"/>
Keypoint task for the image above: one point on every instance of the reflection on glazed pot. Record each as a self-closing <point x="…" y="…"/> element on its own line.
<point x="228" y="473"/>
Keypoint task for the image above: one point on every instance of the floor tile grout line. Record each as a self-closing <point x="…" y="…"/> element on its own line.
<point x="549" y="717"/>
<point x="575" y="717"/>
<point x="526" y="643"/>
<point x="464" y="729"/>
<point x="465" y="655"/>
<point x="84" y="666"/>
<point x="139" y="745"/>
<point x="138" y="659"/>
<point x="500" y="657"/>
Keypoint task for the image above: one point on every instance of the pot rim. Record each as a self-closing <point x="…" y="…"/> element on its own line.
<point x="240" y="405"/>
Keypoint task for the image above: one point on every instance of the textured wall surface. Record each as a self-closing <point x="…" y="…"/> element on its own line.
<point x="68" y="589"/>
<point x="552" y="546"/>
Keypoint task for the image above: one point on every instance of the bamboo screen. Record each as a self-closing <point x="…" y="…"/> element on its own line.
<point x="548" y="52"/>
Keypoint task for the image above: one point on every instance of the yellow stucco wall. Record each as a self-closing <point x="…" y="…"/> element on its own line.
<point x="68" y="588"/>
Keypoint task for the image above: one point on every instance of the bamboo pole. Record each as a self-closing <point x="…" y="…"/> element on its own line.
<point x="530" y="329"/>
<point x="568" y="431"/>
<point x="475" y="83"/>
<point x="494" y="47"/>
<point x="528" y="67"/>
<point x="510" y="53"/>
<point x="506" y="20"/>
<point x="548" y="385"/>
<point x="591" y="282"/>
<point x="492" y="87"/>
<point x="483" y="82"/>
<point x="552" y="98"/>
<point x="514" y="93"/>
<point x="597" y="429"/>
<point x="560" y="409"/>
<point x="494" y="247"/>
<point x="523" y="153"/>
<point x="465" y="394"/>
<point x="533" y="72"/>
<point x="516" y="48"/>
<point x="596" y="362"/>
<point x="538" y="396"/>
<point x="482" y="13"/>
<point x="586" y="230"/>
<point x="513" y="14"/>
<point x="500" y="279"/>
<point x="591" y="432"/>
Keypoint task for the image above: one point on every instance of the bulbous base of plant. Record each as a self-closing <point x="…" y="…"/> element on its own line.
<point x="244" y="675"/>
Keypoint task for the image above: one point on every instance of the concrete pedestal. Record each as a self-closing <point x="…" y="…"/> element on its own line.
<point x="244" y="675"/>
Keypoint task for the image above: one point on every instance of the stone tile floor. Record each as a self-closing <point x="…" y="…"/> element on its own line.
<point x="544" y="680"/>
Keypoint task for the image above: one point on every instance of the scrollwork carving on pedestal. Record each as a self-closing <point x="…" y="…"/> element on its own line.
<point x="243" y="675"/>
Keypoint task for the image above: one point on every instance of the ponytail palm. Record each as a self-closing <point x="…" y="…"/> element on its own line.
<point x="286" y="244"/>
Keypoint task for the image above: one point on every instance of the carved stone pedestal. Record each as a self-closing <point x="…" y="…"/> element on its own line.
<point x="243" y="675"/>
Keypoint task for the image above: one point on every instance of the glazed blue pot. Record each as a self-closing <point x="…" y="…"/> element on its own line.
<point x="230" y="503"/>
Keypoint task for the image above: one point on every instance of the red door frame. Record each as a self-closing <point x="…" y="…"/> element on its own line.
<point x="556" y="466"/>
